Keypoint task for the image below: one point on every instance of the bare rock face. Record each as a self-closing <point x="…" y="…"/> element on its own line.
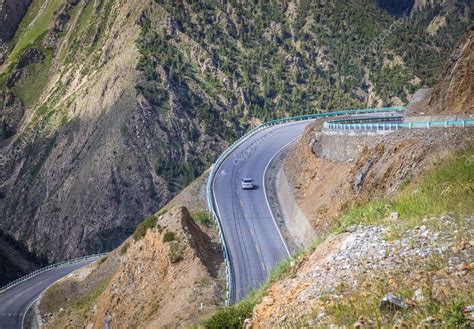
<point x="160" y="276"/>
<point x="454" y="92"/>
<point x="167" y="277"/>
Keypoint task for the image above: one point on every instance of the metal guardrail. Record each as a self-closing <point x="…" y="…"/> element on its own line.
<point x="392" y="126"/>
<point x="233" y="146"/>
<point x="45" y="269"/>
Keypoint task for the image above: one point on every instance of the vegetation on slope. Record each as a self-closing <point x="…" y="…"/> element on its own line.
<point x="322" y="56"/>
<point x="448" y="189"/>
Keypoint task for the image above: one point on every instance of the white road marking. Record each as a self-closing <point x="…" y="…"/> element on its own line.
<point x="265" y="192"/>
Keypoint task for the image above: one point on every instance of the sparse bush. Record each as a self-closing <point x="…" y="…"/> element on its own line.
<point x="124" y="249"/>
<point x="102" y="260"/>
<point x="141" y="229"/>
<point x="176" y="252"/>
<point x="231" y="316"/>
<point x="169" y="236"/>
<point x="203" y="218"/>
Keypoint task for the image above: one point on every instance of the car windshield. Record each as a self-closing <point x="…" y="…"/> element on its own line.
<point x="247" y="180"/>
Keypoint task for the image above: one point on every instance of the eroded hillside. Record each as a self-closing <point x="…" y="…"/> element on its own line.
<point x="109" y="108"/>
<point x="169" y="273"/>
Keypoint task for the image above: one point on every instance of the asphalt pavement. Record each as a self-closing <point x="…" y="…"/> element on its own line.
<point x="16" y="301"/>
<point x="253" y="239"/>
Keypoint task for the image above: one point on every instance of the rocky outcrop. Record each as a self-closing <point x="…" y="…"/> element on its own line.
<point x="11" y="113"/>
<point x="168" y="277"/>
<point x="454" y="92"/>
<point x="325" y="187"/>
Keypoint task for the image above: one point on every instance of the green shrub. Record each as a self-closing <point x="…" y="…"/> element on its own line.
<point x="176" y="252"/>
<point x="232" y="316"/>
<point x="102" y="260"/>
<point x="141" y="229"/>
<point x="169" y="236"/>
<point x="203" y="218"/>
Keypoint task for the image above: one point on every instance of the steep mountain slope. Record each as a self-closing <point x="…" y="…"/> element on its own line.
<point x="110" y="107"/>
<point x="445" y="20"/>
<point x="454" y="91"/>
<point x="170" y="273"/>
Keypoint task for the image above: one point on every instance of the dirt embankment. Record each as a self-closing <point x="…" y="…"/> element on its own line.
<point x="325" y="188"/>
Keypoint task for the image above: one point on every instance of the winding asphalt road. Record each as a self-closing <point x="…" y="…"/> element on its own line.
<point x="254" y="242"/>
<point x="16" y="301"/>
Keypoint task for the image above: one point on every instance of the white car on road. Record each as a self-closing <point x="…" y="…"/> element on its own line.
<point x="247" y="183"/>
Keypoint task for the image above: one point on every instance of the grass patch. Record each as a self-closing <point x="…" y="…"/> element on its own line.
<point x="446" y="310"/>
<point x="30" y="87"/>
<point x="85" y="302"/>
<point x="203" y="218"/>
<point x="124" y="249"/>
<point x="141" y="229"/>
<point x="447" y="189"/>
<point x="36" y="22"/>
<point x="233" y="316"/>
<point x="169" y="236"/>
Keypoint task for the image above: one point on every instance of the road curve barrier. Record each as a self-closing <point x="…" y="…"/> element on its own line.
<point x="378" y="124"/>
<point x="47" y="268"/>
<point x="211" y="203"/>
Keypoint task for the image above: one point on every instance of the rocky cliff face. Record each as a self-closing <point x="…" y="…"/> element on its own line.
<point x="454" y="92"/>
<point x="325" y="188"/>
<point x="167" y="277"/>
